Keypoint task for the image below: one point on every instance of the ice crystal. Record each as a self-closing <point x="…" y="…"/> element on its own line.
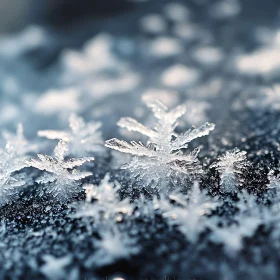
<point x="54" y="268"/>
<point x="114" y="245"/>
<point x="274" y="180"/>
<point x="231" y="166"/>
<point x="13" y="159"/>
<point x="9" y="187"/>
<point x="83" y="138"/>
<point x="246" y="222"/>
<point x="189" y="212"/>
<point x="17" y="144"/>
<point x="62" y="179"/>
<point x="161" y="160"/>
<point x="103" y="203"/>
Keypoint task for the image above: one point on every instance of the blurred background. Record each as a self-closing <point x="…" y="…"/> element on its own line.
<point x="90" y="56"/>
<point x="15" y="14"/>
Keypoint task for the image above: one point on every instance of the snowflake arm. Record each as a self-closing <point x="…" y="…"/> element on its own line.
<point x="133" y="148"/>
<point x="133" y="125"/>
<point x="54" y="134"/>
<point x="163" y="115"/>
<point x="74" y="162"/>
<point x="182" y="140"/>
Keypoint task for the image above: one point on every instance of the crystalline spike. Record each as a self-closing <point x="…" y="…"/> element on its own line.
<point x="133" y="125"/>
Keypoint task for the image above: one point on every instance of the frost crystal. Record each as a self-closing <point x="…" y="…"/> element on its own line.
<point x="274" y="180"/>
<point x="9" y="187"/>
<point x="13" y="159"/>
<point x="17" y="144"/>
<point x="246" y="222"/>
<point x="230" y="166"/>
<point x="114" y="245"/>
<point x="189" y="213"/>
<point x="83" y="138"/>
<point x="161" y="160"/>
<point x="54" y="268"/>
<point x="61" y="177"/>
<point x="103" y="203"/>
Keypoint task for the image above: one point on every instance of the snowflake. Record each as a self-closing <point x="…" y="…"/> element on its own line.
<point x="61" y="177"/>
<point x="13" y="159"/>
<point x="189" y="212"/>
<point x="54" y="268"/>
<point x="145" y="208"/>
<point x="114" y="245"/>
<point x="161" y="160"/>
<point x="17" y="144"/>
<point x="274" y="180"/>
<point x="83" y="138"/>
<point x="103" y="203"/>
<point x="9" y="187"/>
<point x="230" y="166"/>
<point x="246" y="222"/>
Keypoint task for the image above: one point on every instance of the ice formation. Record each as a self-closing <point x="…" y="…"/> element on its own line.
<point x="83" y="139"/>
<point x="176" y="207"/>
<point x="61" y="178"/>
<point x="161" y="160"/>
<point x="230" y="166"/>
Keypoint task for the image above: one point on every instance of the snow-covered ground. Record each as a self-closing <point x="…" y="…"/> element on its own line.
<point x="143" y="145"/>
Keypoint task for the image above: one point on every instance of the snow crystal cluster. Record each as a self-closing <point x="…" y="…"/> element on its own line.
<point x="185" y="184"/>
<point x="161" y="160"/>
